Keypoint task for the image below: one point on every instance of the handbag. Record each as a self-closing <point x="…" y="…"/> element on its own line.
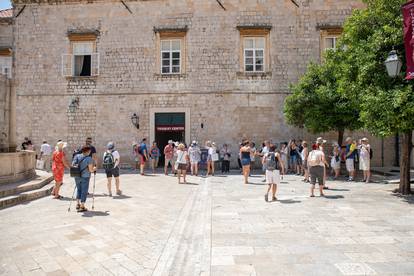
<point x="75" y="170"/>
<point x="40" y="164"/>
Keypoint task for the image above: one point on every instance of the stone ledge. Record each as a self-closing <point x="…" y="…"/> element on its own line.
<point x="170" y="76"/>
<point x="254" y="75"/>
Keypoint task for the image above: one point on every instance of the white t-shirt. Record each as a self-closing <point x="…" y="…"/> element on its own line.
<point x="181" y="157"/>
<point x="316" y="155"/>
<point x="211" y="150"/>
<point x="117" y="157"/>
<point x="46" y="149"/>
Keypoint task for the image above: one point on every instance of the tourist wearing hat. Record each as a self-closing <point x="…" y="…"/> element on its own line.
<point x="169" y="157"/>
<point x="181" y="165"/>
<point x="351" y="151"/>
<point x="58" y="168"/>
<point x="365" y="159"/>
<point x="111" y="161"/>
<point x="87" y="166"/>
<point x="336" y="160"/>
<point x="194" y="152"/>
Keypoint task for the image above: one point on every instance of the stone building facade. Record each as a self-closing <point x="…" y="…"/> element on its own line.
<point x="191" y="69"/>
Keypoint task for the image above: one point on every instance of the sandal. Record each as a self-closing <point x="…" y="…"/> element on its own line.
<point x="312" y="195"/>
<point x="274" y="198"/>
<point x="77" y="206"/>
<point x="266" y="197"/>
<point x="82" y="209"/>
<point x="58" y="197"/>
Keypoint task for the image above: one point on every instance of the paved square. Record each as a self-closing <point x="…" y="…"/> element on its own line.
<point x="213" y="226"/>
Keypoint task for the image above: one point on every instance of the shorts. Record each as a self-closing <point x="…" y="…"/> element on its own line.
<point x="273" y="177"/>
<point x="350" y="165"/>
<point x="245" y="161"/>
<point x="317" y="172"/>
<point x="112" y="172"/>
<point x="142" y="158"/>
<point x="182" y="167"/>
<point x="334" y="164"/>
<point x="169" y="161"/>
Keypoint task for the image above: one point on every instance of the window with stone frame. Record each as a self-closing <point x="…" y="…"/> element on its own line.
<point x="170" y="56"/>
<point x="329" y="39"/>
<point x="6" y="62"/>
<point x="83" y="61"/>
<point x="254" y="49"/>
<point x="254" y="54"/>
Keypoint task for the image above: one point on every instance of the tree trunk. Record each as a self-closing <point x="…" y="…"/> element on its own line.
<point x="340" y="137"/>
<point x="406" y="144"/>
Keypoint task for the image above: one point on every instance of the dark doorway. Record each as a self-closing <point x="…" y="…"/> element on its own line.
<point x="168" y="126"/>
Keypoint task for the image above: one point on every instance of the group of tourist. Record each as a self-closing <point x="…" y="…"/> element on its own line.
<point x="295" y="157"/>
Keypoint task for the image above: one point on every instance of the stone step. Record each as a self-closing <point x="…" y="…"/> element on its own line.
<point x="12" y="200"/>
<point x="14" y="193"/>
<point x="41" y="179"/>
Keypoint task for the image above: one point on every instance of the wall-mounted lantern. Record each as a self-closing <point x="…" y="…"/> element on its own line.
<point x="135" y="120"/>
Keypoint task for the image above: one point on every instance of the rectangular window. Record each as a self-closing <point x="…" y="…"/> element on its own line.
<point x="330" y="42"/>
<point x="5" y="66"/>
<point x="83" y="60"/>
<point x="171" y="56"/>
<point x="254" y="53"/>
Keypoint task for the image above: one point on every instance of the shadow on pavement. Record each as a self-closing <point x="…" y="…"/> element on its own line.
<point x="288" y="201"/>
<point x="89" y="214"/>
<point x="406" y="198"/>
<point x="190" y="183"/>
<point x="121" y="197"/>
<point x="333" y="196"/>
<point x="339" y="190"/>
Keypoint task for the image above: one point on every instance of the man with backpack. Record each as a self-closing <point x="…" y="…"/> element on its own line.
<point x="316" y="165"/>
<point x="111" y="160"/>
<point x="273" y="165"/>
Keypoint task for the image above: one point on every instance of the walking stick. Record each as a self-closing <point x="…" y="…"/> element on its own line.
<point x="73" y="195"/>
<point x="93" y="193"/>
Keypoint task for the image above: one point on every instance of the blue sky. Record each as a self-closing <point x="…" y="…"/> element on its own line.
<point x="4" y="4"/>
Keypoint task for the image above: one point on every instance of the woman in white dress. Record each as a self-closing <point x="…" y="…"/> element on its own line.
<point x="365" y="159"/>
<point x="336" y="160"/>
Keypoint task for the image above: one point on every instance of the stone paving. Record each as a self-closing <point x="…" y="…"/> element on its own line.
<point x="213" y="226"/>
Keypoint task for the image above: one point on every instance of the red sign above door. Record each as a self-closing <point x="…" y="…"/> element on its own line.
<point x="173" y="128"/>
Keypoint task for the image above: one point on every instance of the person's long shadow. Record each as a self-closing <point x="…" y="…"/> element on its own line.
<point x="190" y="183"/>
<point x="334" y="196"/>
<point x="121" y="197"/>
<point x="288" y="201"/>
<point x="338" y="190"/>
<point x="89" y="214"/>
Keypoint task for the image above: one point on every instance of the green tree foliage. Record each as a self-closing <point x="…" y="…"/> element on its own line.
<point x="316" y="103"/>
<point x="387" y="105"/>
